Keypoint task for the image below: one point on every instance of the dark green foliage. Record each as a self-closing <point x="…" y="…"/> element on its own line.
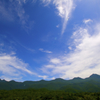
<point x="90" y="84"/>
<point x="43" y="94"/>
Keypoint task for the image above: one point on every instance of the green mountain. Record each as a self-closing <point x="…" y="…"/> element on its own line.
<point x="90" y="84"/>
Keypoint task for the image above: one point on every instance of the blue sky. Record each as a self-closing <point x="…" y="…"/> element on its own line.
<point x="48" y="39"/>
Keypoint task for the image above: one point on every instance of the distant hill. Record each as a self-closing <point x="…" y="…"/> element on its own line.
<point x="90" y="84"/>
<point x="95" y="77"/>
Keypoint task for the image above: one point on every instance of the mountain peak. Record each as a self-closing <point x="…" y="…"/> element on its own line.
<point x="58" y="79"/>
<point x="77" y="78"/>
<point x="95" y="76"/>
<point x="42" y="80"/>
<point x="12" y="81"/>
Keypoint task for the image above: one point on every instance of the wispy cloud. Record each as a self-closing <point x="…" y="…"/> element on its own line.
<point x="64" y="8"/>
<point x="43" y="76"/>
<point x="13" y="5"/>
<point x="12" y="67"/>
<point x="4" y="12"/>
<point x="27" y="48"/>
<point x="57" y="26"/>
<point x="87" y="21"/>
<point x="55" y="61"/>
<point x="14" y="11"/>
<point x="70" y="48"/>
<point x="46" y="51"/>
<point x="83" y="60"/>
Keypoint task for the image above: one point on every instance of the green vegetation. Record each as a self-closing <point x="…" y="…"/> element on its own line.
<point x="43" y="94"/>
<point x="58" y="89"/>
<point x="90" y="84"/>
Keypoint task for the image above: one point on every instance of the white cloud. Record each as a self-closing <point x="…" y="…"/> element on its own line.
<point x="57" y="26"/>
<point x="5" y="13"/>
<point x="64" y="8"/>
<point x="13" y="10"/>
<point x="13" y="5"/>
<point x="87" y="21"/>
<point x="41" y="49"/>
<point x="53" y="78"/>
<point x="46" y="51"/>
<point x="12" y="67"/>
<point x="25" y="47"/>
<point x="43" y="76"/>
<point x="9" y="78"/>
<point x="55" y="61"/>
<point x="83" y="61"/>
<point x="70" y="48"/>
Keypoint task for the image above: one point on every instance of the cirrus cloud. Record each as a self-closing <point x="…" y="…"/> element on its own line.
<point x="12" y="67"/>
<point x="83" y="60"/>
<point x="87" y="21"/>
<point x="46" y="51"/>
<point x="64" y="7"/>
<point x="13" y="10"/>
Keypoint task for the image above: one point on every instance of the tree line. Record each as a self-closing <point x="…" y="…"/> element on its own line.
<point x="44" y="94"/>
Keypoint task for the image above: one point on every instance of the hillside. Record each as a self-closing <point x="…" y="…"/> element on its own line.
<point x="90" y="84"/>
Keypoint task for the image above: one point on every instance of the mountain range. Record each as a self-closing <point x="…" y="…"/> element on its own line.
<point x="77" y="84"/>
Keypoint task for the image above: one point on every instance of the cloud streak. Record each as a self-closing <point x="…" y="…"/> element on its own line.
<point x="13" y="67"/>
<point x="13" y="10"/>
<point x="64" y="8"/>
<point x="84" y="58"/>
<point x="13" y="6"/>
<point x="87" y="21"/>
<point x="46" y="51"/>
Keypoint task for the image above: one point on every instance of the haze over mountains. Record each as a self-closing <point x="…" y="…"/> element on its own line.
<point x="77" y="84"/>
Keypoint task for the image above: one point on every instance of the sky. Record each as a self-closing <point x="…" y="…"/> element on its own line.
<point x="48" y="39"/>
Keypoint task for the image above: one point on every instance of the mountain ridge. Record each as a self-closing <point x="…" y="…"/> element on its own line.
<point x="90" y="84"/>
<point x="91" y="76"/>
